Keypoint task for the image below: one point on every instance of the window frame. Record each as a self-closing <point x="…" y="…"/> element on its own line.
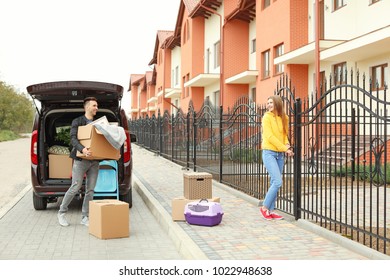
<point x="338" y="4"/>
<point x="265" y="65"/>
<point x="266" y="4"/>
<point x="217" y="54"/>
<point x="337" y="68"/>
<point x="253" y="45"/>
<point x="278" y="68"/>
<point x="384" y="72"/>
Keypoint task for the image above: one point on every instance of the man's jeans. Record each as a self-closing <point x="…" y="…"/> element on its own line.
<point x="274" y="162"/>
<point x="81" y="167"/>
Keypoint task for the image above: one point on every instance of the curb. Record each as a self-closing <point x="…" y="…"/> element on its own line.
<point x="184" y="244"/>
<point x="4" y="210"/>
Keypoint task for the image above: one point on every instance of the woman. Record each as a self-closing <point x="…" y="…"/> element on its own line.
<point x="275" y="145"/>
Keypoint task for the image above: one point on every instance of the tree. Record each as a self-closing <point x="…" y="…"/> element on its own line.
<point x="16" y="110"/>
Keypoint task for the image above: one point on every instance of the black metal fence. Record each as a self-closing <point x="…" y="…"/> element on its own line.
<point x="339" y="175"/>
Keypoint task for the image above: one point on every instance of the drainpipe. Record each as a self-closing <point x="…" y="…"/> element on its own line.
<point x="221" y="65"/>
<point x="317" y="47"/>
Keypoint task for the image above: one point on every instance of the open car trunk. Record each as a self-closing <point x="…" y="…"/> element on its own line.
<point x="55" y="144"/>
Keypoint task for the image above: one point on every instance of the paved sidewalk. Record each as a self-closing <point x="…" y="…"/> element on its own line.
<point x="27" y="234"/>
<point x="243" y="234"/>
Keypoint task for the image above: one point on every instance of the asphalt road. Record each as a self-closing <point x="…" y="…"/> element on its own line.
<point x="14" y="168"/>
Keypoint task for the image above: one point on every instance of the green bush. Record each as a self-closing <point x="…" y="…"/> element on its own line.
<point x="16" y="110"/>
<point x="8" y="135"/>
<point x="366" y="173"/>
<point x="246" y="155"/>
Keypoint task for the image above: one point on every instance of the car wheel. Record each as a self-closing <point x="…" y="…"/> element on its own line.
<point x="127" y="198"/>
<point x="40" y="203"/>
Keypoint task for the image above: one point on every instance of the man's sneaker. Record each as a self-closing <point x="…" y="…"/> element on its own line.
<point x="275" y="216"/>
<point x="62" y="220"/>
<point x="85" y="221"/>
<point x="265" y="214"/>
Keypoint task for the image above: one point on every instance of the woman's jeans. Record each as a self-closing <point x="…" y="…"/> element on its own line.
<point x="80" y="168"/>
<point x="274" y="162"/>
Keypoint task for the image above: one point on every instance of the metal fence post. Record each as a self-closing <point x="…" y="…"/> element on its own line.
<point x="297" y="158"/>
<point x="173" y="136"/>
<point x="188" y="141"/>
<point x="195" y="135"/>
<point x="220" y="144"/>
<point x="159" y="124"/>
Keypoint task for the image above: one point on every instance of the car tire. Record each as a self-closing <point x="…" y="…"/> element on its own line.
<point x="40" y="203"/>
<point x="127" y="198"/>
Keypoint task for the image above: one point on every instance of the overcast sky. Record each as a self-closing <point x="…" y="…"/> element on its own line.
<point x="101" y="40"/>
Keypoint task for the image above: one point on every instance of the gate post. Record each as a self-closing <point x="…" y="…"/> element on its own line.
<point x="297" y="158"/>
<point x="353" y="123"/>
<point x="173" y="136"/>
<point x="188" y="140"/>
<point x="195" y="135"/>
<point x="220" y="143"/>
<point x="159" y="123"/>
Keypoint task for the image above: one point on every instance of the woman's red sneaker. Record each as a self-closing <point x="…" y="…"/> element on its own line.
<point x="265" y="213"/>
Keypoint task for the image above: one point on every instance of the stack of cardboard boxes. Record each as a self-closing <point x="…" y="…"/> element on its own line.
<point x="197" y="186"/>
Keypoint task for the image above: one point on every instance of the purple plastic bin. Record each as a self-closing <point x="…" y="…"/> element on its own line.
<point x="203" y="213"/>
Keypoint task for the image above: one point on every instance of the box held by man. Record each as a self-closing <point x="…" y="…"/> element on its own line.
<point x="90" y="137"/>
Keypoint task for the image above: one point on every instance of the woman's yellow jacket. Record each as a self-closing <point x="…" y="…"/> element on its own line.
<point x="273" y="136"/>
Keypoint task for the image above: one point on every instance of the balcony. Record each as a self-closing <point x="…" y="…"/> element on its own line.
<point x="203" y="80"/>
<point x="152" y="100"/>
<point x="172" y="93"/>
<point x="374" y="43"/>
<point x="246" y="77"/>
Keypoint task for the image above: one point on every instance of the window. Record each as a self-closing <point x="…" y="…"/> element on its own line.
<point x="252" y="95"/>
<point x="337" y="4"/>
<point x="253" y="46"/>
<point x="175" y="77"/>
<point x="216" y="98"/>
<point x="265" y="66"/>
<point x="187" y="30"/>
<point x="379" y="74"/>
<point x="217" y="54"/>
<point x="183" y="93"/>
<point x="187" y="88"/>
<point x="176" y="83"/>
<point x="208" y="60"/>
<point x="339" y="71"/>
<point x="266" y="3"/>
<point x="159" y="57"/>
<point x="278" y="51"/>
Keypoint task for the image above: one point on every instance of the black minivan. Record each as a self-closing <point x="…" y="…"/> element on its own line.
<point x="57" y="104"/>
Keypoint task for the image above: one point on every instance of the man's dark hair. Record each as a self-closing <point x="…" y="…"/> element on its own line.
<point x="87" y="99"/>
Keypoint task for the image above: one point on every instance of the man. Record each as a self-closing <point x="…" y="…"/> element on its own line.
<point x="81" y="166"/>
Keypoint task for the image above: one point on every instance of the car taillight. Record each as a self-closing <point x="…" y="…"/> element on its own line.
<point x="126" y="148"/>
<point x="34" y="147"/>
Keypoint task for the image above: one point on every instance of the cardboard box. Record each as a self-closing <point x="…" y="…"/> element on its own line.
<point x="109" y="218"/>
<point x="179" y="203"/>
<point x="93" y="139"/>
<point x="197" y="185"/>
<point x="60" y="166"/>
